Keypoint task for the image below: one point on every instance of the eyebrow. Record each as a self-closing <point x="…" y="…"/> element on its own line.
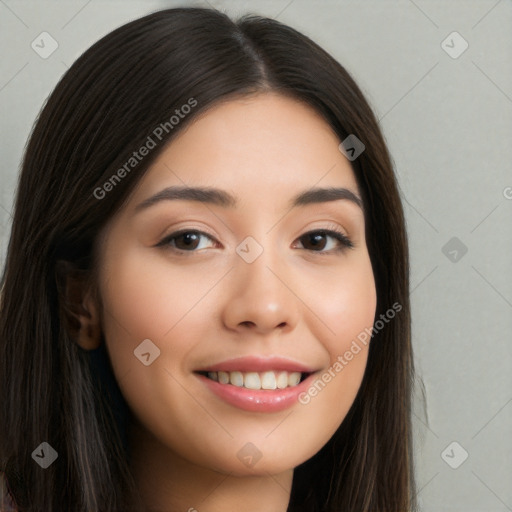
<point x="224" y="199"/>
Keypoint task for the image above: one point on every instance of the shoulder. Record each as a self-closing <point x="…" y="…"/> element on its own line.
<point x="6" y="501"/>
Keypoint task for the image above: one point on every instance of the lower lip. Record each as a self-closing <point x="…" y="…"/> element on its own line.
<point x="255" y="400"/>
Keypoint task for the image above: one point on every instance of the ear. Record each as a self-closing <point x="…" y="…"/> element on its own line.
<point x="89" y="334"/>
<point x="80" y="309"/>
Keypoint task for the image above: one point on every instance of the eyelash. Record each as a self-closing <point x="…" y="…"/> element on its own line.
<point x="332" y="231"/>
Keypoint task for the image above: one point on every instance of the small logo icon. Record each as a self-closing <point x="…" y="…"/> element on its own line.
<point x="249" y="249"/>
<point x="147" y="352"/>
<point x="454" y="455"/>
<point x="249" y="455"/>
<point x="454" y="250"/>
<point x="351" y="147"/>
<point x="44" y="455"/>
<point x="454" y="45"/>
<point x="44" y="45"/>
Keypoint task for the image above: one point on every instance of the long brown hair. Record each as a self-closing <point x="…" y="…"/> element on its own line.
<point x="103" y="109"/>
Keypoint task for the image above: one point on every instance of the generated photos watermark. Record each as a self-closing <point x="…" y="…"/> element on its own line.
<point x="151" y="142"/>
<point x="343" y="360"/>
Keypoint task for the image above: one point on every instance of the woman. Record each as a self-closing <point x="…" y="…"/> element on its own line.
<point x="205" y="299"/>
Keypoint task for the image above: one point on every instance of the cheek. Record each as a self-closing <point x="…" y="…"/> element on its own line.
<point x="146" y="297"/>
<point x="346" y="306"/>
<point x="345" y="301"/>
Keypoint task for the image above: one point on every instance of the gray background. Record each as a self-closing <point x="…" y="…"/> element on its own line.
<point x="448" y="125"/>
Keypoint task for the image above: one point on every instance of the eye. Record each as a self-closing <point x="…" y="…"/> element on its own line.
<point x="184" y="241"/>
<point x="189" y="240"/>
<point x="317" y="241"/>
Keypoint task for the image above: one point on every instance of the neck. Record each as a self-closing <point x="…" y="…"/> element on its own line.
<point x="169" y="483"/>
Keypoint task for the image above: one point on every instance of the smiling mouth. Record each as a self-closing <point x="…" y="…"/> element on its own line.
<point x="268" y="380"/>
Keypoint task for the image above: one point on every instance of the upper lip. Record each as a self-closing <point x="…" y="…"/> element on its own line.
<point x="258" y="364"/>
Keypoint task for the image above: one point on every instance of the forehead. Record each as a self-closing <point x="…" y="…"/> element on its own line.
<point x="267" y="144"/>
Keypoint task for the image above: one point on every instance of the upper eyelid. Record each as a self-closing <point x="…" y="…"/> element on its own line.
<point x="331" y="227"/>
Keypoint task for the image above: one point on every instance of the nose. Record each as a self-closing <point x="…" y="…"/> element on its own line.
<point x="261" y="298"/>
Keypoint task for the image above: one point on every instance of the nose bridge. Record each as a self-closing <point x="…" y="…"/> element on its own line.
<point x="257" y="268"/>
<point x="260" y="297"/>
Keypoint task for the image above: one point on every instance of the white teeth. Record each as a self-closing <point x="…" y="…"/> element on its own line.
<point x="236" y="378"/>
<point x="268" y="380"/>
<point x="293" y="378"/>
<point x="282" y="380"/>
<point x="254" y="380"/>
<point x="223" y="377"/>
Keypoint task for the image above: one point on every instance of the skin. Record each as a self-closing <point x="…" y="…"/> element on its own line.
<point x="208" y="304"/>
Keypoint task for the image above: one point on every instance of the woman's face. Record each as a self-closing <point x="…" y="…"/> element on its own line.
<point x="252" y="277"/>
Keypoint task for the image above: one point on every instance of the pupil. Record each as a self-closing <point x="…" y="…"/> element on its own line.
<point x="189" y="239"/>
<point x="316" y="239"/>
